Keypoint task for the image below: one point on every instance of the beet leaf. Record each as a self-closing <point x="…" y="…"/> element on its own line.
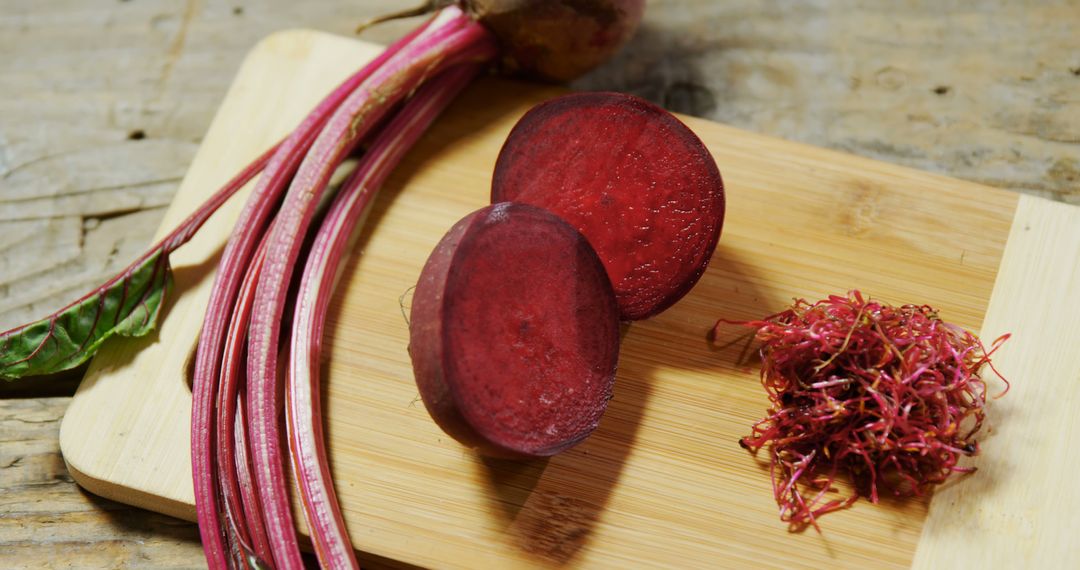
<point x="126" y="305"/>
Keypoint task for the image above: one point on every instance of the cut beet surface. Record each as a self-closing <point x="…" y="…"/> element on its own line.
<point x="514" y="333"/>
<point x="630" y="176"/>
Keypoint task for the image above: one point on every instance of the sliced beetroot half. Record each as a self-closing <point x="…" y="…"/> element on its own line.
<point x="630" y="176"/>
<point x="514" y="333"/>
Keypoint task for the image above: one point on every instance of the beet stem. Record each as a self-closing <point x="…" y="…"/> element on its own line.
<point x="304" y="411"/>
<point x="249" y="498"/>
<point x="233" y="266"/>
<point x="451" y="38"/>
<point x="251" y="533"/>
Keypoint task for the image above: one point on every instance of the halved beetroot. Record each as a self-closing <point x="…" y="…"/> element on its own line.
<point x="630" y="176"/>
<point x="514" y="333"/>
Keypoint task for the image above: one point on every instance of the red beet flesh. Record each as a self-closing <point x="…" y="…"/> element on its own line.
<point x="514" y="333"/>
<point x="632" y="178"/>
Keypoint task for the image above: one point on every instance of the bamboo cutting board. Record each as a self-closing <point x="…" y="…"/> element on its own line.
<point x="663" y="481"/>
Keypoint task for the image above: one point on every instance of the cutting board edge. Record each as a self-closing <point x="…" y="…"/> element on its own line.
<point x="967" y="532"/>
<point x="129" y="495"/>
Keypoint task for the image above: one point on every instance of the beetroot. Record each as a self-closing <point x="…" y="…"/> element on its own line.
<point x="632" y="178"/>
<point x="557" y="40"/>
<point x="514" y="333"/>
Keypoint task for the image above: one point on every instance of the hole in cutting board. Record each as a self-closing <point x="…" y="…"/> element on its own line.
<point x="189" y="367"/>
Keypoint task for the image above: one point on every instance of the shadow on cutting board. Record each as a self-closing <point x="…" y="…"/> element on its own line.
<point x="552" y="506"/>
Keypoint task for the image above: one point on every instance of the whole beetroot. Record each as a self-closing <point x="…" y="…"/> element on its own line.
<point x="557" y="40"/>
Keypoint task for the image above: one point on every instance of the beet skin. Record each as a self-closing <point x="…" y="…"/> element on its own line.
<point x="632" y="178"/>
<point x="514" y="333"/>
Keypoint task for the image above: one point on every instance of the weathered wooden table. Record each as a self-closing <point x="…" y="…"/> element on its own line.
<point x="103" y="103"/>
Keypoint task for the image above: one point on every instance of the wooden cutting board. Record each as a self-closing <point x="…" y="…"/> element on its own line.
<point x="663" y="481"/>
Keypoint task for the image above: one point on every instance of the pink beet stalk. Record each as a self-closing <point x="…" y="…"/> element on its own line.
<point x="249" y="498"/>
<point x="247" y="533"/>
<point x="249" y="229"/>
<point x="234" y="264"/>
<point x="451" y="38"/>
<point x="303" y="407"/>
<point x="192" y="223"/>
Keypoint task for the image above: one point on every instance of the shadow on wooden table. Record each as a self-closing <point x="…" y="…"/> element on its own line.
<point x="142" y="524"/>
<point x="60" y="384"/>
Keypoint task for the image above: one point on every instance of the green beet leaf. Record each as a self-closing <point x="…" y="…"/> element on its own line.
<point x="128" y="305"/>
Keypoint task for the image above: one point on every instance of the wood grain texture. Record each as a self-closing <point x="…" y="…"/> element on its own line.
<point x="663" y="481"/>
<point x="983" y="91"/>
<point x="1021" y="509"/>
<point x="47" y="521"/>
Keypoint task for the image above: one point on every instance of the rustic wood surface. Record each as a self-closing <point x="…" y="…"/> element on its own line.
<point x="47" y="521"/>
<point x="103" y="103"/>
